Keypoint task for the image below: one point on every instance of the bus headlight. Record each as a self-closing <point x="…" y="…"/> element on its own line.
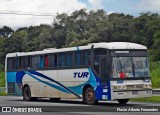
<point x="119" y="87"/>
<point x="114" y="87"/>
<point x="147" y="86"/>
<point x="124" y="87"/>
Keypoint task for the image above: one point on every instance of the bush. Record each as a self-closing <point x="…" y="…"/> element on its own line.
<point x="1" y="67"/>
<point x="155" y="73"/>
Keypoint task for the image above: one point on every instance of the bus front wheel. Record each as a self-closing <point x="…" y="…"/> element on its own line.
<point x="27" y="94"/>
<point x="122" y="101"/>
<point x="90" y="96"/>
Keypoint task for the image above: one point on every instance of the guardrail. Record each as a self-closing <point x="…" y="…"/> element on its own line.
<point x="2" y="89"/>
<point x="156" y="91"/>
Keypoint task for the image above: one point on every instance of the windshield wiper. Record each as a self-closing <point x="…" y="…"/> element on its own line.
<point x="133" y="68"/>
<point x="120" y="63"/>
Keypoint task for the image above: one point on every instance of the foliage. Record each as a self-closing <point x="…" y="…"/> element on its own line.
<point x="5" y="31"/>
<point x="2" y="79"/>
<point x="82" y="27"/>
<point x="155" y="73"/>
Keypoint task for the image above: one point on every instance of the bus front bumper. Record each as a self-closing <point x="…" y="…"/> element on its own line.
<point x="130" y="94"/>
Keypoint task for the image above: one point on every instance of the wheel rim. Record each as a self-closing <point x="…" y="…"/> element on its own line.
<point x="90" y="96"/>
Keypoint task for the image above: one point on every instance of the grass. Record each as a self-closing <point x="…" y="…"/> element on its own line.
<point x="2" y="79"/>
<point x="3" y="93"/>
<point x="154" y="99"/>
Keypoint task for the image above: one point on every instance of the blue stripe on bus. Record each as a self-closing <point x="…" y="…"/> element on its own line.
<point x="43" y="76"/>
<point x="52" y="85"/>
<point x="76" y="90"/>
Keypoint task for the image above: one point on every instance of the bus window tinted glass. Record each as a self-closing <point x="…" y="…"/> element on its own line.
<point x="23" y="62"/>
<point x="78" y="58"/>
<point x="69" y="59"/>
<point x="12" y="63"/>
<point x="86" y="58"/>
<point x="62" y="60"/>
<point x="35" y="61"/>
<point x="41" y="63"/>
<point x="46" y="61"/>
<point x="51" y="58"/>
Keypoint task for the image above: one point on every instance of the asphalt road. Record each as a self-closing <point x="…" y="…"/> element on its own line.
<point x="77" y="107"/>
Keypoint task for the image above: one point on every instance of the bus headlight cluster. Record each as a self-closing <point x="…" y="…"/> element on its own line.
<point x="119" y="87"/>
<point x="147" y="86"/>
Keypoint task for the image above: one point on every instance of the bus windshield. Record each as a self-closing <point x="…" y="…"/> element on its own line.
<point x="125" y="67"/>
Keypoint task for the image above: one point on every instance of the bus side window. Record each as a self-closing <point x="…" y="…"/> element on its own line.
<point x="35" y="62"/>
<point x="78" y="58"/>
<point x="69" y="59"/>
<point x="55" y="60"/>
<point x="46" y="61"/>
<point x="41" y="62"/>
<point x="62" y="60"/>
<point x="25" y="62"/>
<point x="51" y="58"/>
<point x="86" y="58"/>
<point x="29" y="62"/>
<point x="20" y="63"/>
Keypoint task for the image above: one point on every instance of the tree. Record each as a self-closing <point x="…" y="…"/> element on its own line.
<point x="6" y="31"/>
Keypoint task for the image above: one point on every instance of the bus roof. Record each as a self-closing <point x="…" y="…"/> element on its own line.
<point x="110" y="45"/>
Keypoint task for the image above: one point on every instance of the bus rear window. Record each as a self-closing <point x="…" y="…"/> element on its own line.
<point x="12" y="63"/>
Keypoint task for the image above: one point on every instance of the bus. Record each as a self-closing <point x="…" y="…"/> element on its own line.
<point x="97" y="71"/>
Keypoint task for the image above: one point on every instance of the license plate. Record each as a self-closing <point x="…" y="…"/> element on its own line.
<point x="134" y="92"/>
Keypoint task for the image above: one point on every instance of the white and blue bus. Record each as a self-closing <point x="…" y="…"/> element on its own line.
<point x="97" y="71"/>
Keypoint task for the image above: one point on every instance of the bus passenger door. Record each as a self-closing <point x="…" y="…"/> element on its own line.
<point x="105" y="73"/>
<point x="103" y="70"/>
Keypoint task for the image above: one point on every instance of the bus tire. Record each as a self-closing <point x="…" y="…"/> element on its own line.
<point x="90" y="96"/>
<point x="123" y="101"/>
<point x="27" y="94"/>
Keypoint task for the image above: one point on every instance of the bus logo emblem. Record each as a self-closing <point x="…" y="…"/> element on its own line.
<point x="81" y="74"/>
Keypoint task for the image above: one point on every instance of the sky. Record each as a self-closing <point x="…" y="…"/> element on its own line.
<point x="43" y="11"/>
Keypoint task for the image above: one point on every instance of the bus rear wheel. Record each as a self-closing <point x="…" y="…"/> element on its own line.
<point x="27" y="94"/>
<point x="90" y="96"/>
<point x="122" y="101"/>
